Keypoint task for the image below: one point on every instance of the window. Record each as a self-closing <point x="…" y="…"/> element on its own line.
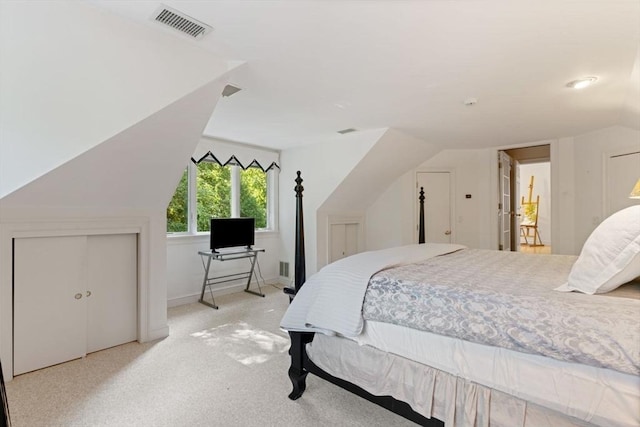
<point x="213" y="193"/>
<point x="209" y="190"/>
<point x="253" y="195"/>
<point x="178" y="211"/>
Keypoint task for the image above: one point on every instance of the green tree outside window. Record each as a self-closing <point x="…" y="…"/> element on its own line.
<point x="177" y="212"/>
<point x="213" y="197"/>
<point x="213" y="193"/>
<point x="253" y="195"/>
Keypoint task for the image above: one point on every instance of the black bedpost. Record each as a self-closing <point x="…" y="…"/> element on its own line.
<point x="421" y="227"/>
<point x="299" y="264"/>
<point x="297" y="373"/>
<point x="5" y="420"/>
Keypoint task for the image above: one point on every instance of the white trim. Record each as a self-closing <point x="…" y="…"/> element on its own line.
<point x="273" y="178"/>
<point x="188" y="239"/>
<point x="219" y="291"/>
<point x="192" y="208"/>
<point x="235" y="191"/>
<point x="359" y="220"/>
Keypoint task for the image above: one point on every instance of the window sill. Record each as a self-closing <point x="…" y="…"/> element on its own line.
<point x="204" y="236"/>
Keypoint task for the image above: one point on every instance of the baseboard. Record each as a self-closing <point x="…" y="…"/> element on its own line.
<point x="219" y="291"/>
<point x="156" y="334"/>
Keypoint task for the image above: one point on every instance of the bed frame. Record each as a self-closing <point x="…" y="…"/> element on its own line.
<point x="5" y="419"/>
<point x="301" y="365"/>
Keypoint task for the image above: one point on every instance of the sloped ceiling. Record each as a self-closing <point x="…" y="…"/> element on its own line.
<point x="393" y="154"/>
<point x="74" y="76"/>
<point x="316" y="67"/>
<point x="137" y="168"/>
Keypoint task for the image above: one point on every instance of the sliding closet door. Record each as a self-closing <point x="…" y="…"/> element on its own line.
<point x="50" y="313"/>
<point x="112" y="290"/>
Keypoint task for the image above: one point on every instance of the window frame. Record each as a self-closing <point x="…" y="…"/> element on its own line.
<point x="192" y="203"/>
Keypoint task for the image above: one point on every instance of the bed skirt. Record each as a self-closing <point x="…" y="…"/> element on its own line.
<point x="430" y="392"/>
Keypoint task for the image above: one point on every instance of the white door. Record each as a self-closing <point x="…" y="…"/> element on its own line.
<point x="622" y="173"/>
<point x="504" y="204"/>
<point x="50" y="311"/>
<point x="112" y="293"/>
<point x="72" y="295"/>
<point x="344" y="240"/>
<point x="516" y="207"/>
<point x="437" y="205"/>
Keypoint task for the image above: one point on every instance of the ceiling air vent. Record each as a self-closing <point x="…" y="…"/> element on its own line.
<point x="181" y="22"/>
<point x="343" y="131"/>
<point x="230" y="90"/>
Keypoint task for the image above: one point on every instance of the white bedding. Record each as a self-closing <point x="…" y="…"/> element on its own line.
<point x="331" y="300"/>
<point x="601" y="396"/>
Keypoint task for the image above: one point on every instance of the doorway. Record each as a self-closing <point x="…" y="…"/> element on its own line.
<point x="525" y="199"/>
<point x="535" y="201"/>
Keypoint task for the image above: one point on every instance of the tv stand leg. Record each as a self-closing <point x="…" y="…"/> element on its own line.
<point x="253" y="260"/>
<point x="205" y="281"/>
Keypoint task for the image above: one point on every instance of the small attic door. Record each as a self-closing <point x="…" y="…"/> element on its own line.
<point x="345" y="237"/>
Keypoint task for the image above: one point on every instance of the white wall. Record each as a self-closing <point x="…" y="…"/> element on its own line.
<point x="590" y="150"/>
<point x="392" y="219"/>
<point x="74" y="76"/>
<point x="387" y="227"/>
<point x="541" y="187"/>
<point x="97" y="119"/>
<point x="324" y="166"/>
<point x="576" y="191"/>
<point x="185" y="271"/>
<point x="472" y="176"/>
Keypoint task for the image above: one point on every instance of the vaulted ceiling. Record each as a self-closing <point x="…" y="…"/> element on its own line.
<point x="312" y="68"/>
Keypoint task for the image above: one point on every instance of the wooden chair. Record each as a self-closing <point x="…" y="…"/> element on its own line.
<point x="529" y="223"/>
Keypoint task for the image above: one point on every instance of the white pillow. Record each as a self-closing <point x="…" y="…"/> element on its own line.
<point x="610" y="256"/>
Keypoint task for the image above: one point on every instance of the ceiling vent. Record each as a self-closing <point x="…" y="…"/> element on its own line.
<point x="181" y="22"/>
<point x="343" y="131"/>
<point x="230" y="90"/>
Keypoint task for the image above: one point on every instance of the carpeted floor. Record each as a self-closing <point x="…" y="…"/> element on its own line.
<point x="225" y="367"/>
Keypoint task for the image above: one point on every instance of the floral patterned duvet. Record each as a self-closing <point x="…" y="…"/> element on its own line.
<point x="506" y="299"/>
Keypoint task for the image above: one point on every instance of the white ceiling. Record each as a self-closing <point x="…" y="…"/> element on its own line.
<point x="315" y="67"/>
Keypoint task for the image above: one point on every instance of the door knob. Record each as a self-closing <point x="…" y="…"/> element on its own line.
<point x="447" y="232"/>
<point x="78" y="295"/>
<point x="88" y="294"/>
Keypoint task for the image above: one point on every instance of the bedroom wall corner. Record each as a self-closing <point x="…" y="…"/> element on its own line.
<point x="563" y="196"/>
<point x="323" y="165"/>
<point x="387" y="224"/>
<point x="591" y="150"/>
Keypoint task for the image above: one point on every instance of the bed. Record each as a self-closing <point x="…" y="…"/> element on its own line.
<point x="449" y="335"/>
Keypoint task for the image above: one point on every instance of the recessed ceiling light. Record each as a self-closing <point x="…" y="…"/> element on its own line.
<point x="582" y="83"/>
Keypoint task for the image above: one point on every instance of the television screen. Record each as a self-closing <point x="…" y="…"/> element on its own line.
<point x="232" y="232"/>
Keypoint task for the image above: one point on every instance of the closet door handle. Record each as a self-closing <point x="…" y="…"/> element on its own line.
<point x="78" y="295"/>
<point x="88" y="294"/>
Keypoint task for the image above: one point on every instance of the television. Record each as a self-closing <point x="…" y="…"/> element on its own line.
<point x="232" y="232"/>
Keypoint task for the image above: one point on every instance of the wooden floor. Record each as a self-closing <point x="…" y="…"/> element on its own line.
<point x="535" y="249"/>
